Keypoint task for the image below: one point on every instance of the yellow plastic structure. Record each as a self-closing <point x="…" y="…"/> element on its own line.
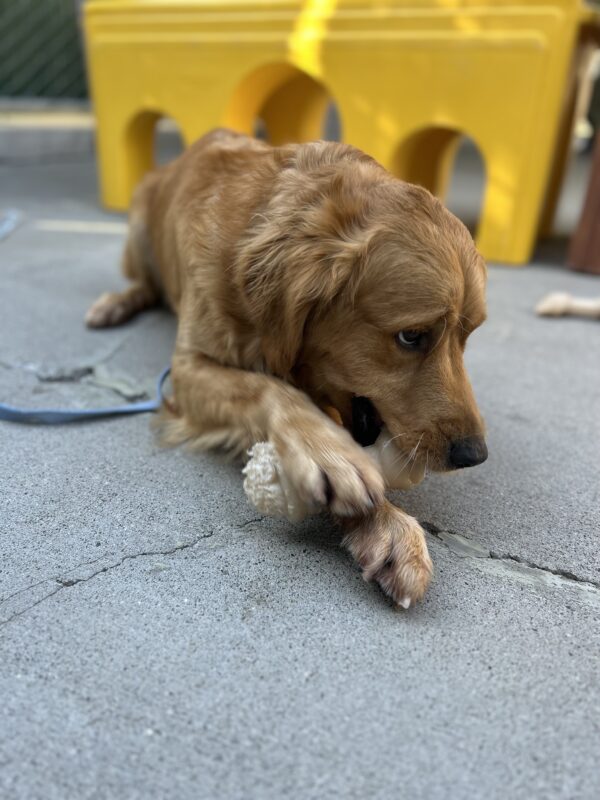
<point x="409" y="77"/>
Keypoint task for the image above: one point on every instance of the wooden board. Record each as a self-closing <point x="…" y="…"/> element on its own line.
<point x="584" y="251"/>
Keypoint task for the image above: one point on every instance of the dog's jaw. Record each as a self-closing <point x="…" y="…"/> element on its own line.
<point x="366" y="421"/>
<point x="401" y="470"/>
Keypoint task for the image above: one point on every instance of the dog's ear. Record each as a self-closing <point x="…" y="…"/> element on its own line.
<point x="295" y="266"/>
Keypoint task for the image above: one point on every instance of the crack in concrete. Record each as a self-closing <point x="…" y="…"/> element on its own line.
<point x="45" y="580"/>
<point x="76" y="371"/>
<point x="249" y="522"/>
<point x="67" y="374"/>
<point x="65" y="583"/>
<point x="560" y="573"/>
<point x="511" y="566"/>
<point x="62" y="374"/>
<point x="97" y="375"/>
<point x="104" y="379"/>
<point x="30" y="607"/>
<point x="92" y="371"/>
<point x="504" y="565"/>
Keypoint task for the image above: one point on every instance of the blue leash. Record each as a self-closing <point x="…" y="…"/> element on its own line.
<point x="53" y="416"/>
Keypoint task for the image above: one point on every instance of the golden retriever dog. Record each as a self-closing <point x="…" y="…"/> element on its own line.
<point x="303" y="277"/>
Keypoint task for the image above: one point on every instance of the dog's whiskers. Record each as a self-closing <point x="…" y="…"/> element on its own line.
<point x="416" y="448"/>
<point x="412" y="455"/>
<point x="397" y="436"/>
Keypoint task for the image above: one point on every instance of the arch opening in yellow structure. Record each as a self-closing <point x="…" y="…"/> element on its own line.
<point x="292" y="105"/>
<point x="169" y="141"/>
<point x="139" y="144"/>
<point x="428" y="157"/>
<point x="467" y="182"/>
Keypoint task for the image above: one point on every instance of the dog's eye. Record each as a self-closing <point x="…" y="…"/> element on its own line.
<point x="411" y="340"/>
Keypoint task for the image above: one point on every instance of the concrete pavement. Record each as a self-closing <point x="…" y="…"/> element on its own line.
<point x="158" y="639"/>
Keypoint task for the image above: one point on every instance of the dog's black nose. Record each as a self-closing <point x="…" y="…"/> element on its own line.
<point x="468" y="452"/>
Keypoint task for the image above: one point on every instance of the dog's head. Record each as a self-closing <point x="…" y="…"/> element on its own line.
<point x="372" y="291"/>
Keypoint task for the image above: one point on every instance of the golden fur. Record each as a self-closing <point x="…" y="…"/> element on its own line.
<point x="292" y="270"/>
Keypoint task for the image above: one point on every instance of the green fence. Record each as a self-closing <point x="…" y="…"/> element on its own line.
<point x="40" y="49"/>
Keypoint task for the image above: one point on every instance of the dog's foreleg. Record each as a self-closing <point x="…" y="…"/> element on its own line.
<point x="217" y="406"/>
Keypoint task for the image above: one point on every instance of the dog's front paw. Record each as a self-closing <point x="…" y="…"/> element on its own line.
<point x="326" y="467"/>
<point x="390" y="547"/>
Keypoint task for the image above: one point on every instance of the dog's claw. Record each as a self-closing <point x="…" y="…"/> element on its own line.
<point x="405" y="602"/>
